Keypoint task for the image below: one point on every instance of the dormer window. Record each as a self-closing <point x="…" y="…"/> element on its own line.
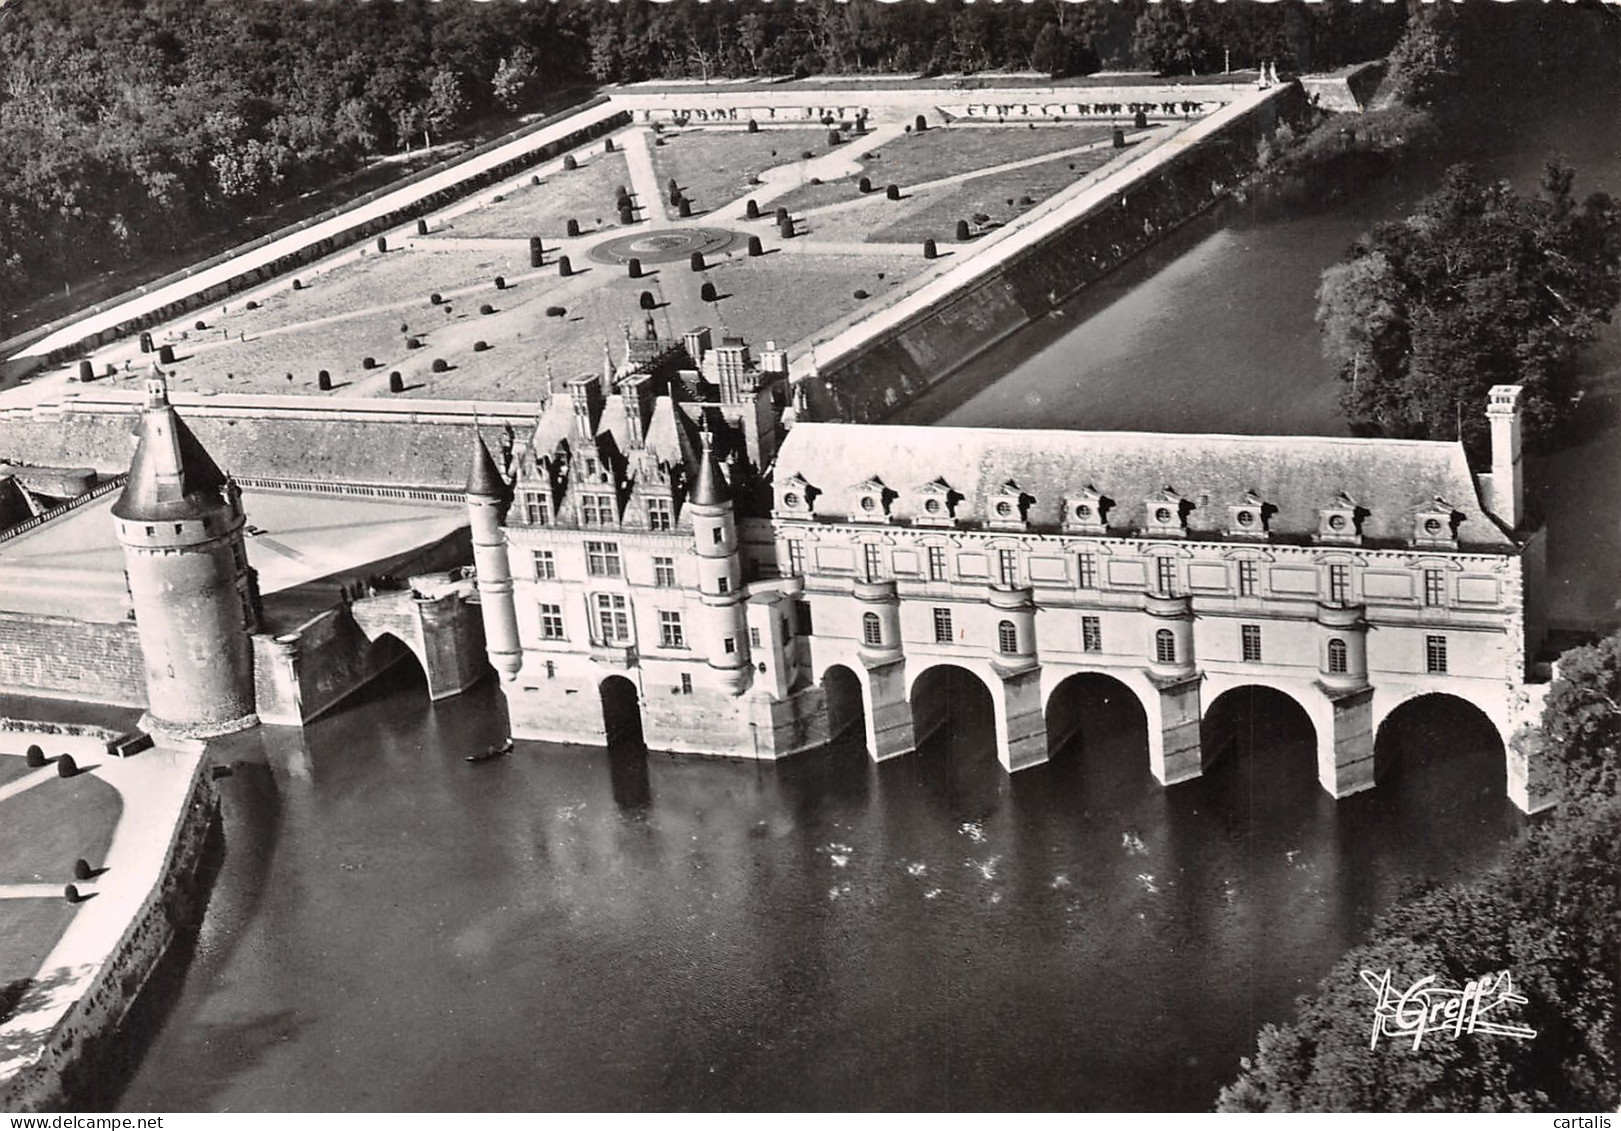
<point x="872" y="500"/>
<point x="1006" y="507"/>
<point x="1436" y="524"/>
<point x="1086" y="512"/>
<point x="1340" y="523"/>
<point x="1166" y="514"/>
<point x="936" y="504"/>
<point x="1249" y="517"/>
<point x="794" y="497"/>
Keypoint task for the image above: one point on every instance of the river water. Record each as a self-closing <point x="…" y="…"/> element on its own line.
<point x="572" y="929"/>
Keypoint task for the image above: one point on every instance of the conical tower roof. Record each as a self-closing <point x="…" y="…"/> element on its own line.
<point x="483" y="478"/>
<point x="710" y="488"/>
<point x="172" y="476"/>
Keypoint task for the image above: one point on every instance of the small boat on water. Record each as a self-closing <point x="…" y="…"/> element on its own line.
<point x="492" y="752"/>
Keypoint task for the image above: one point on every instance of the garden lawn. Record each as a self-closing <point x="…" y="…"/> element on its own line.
<point x="585" y="194"/>
<point x="1001" y="196"/>
<point x="29" y="929"/>
<point x="713" y="166"/>
<point x="44" y="829"/>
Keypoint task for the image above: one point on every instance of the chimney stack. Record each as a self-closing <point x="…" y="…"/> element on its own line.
<point x="636" y="395"/>
<point x="1505" y="487"/>
<point x="586" y="395"/>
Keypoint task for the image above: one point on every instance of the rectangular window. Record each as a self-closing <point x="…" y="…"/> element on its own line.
<point x="723" y="585"/>
<point x="602" y="559"/>
<point x="613" y="619"/>
<point x="1165" y="568"/>
<point x="730" y="644"/>
<point x="537" y="509"/>
<point x="1086" y="571"/>
<point x="937" y="563"/>
<point x="1339" y="583"/>
<point x="658" y="514"/>
<point x="1091" y="634"/>
<point x="1435" y="655"/>
<point x="591" y="467"/>
<point x="597" y="510"/>
<point x="802" y="614"/>
<point x="1251" y="637"/>
<point x="870" y="555"/>
<point x="686" y="683"/>
<point x="670" y="634"/>
<point x="1246" y="579"/>
<point x="796" y="558"/>
<point x="718" y="535"/>
<point x="942" y="626"/>
<point x="664" y="573"/>
<point x="754" y="637"/>
<point x="545" y="566"/>
<point x="1435" y="588"/>
<point x="1007" y="565"/>
<point x="551" y="622"/>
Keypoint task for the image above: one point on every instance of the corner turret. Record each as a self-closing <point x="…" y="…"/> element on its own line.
<point x="488" y="497"/>
<point x="720" y="571"/>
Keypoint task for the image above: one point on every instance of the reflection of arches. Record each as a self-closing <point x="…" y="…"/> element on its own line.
<point x="1254" y="721"/>
<point x="954" y="707"/>
<point x="1436" y="727"/>
<point x="1091" y="703"/>
<point x="846" y="708"/>
<point x="621" y="714"/>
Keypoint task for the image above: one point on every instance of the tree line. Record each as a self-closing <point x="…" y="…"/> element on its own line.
<point x="126" y="127"/>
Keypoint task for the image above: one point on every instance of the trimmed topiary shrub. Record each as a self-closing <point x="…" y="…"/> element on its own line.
<point x="1119" y="138"/>
<point x="537" y="252"/>
<point x="708" y="293"/>
<point x="684" y="208"/>
<point x="82" y="869"/>
<point x="480" y="346"/>
<point x="920" y="124"/>
<point x="66" y="767"/>
<point x="929" y="250"/>
<point x="535" y="179"/>
<point x="674" y="188"/>
<point x="146" y="341"/>
<point x="816" y="180"/>
<point x="71" y="893"/>
<point x="556" y="311"/>
<point x="413" y="343"/>
<point x="422" y="227"/>
<point x="864" y="184"/>
<point x="754" y="127"/>
<point x="166" y="355"/>
<point x="751" y="209"/>
<point x="396" y="383"/>
<point x="573" y="228"/>
<point x="486" y="308"/>
<point x="626" y="216"/>
<point x="368" y="363"/>
<point x="251" y="305"/>
<point x="87" y="372"/>
<point x="697" y="261"/>
<point x="633" y="268"/>
<point x="564" y="267"/>
<point x="648" y="302"/>
<point x="608" y="145"/>
<point x="834" y="137"/>
<point x="323" y="381"/>
<point x="807" y="155"/>
<point x="34" y="757"/>
<point x="298" y="284"/>
<point x="782" y="215"/>
<point x="439" y="365"/>
<point x="436" y="298"/>
<point x="1026" y="201"/>
<point x="382" y="243"/>
<point x="860" y="294"/>
<point x="892" y="192"/>
<point x="570" y="163"/>
<point x="786" y="229"/>
<point x="756" y="248"/>
<point x="500" y="282"/>
<point x="963" y="231"/>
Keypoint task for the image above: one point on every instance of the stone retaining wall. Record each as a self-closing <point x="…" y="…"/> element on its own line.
<point x="58" y="656"/>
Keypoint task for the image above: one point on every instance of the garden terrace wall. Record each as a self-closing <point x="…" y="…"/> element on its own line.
<point x="62" y="657"/>
<point x="899" y="364"/>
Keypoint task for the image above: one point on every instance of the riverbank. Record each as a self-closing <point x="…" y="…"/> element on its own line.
<point x="150" y="886"/>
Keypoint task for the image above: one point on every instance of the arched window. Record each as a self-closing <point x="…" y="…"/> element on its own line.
<point x="1165" y="646"/>
<point x="1336" y="656"/>
<point x="1007" y="638"/>
<point x="872" y="631"/>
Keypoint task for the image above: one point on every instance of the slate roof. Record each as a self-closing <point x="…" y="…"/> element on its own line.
<point x="483" y="478"/>
<point x="1392" y="479"/>
<point x="172" y="476"/>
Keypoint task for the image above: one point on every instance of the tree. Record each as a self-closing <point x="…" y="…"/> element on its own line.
<point x="1050" y="54"/>
<point x="447" y="104"/>
<point x="1581" y="719"/>
<point x="1479" y="287"/>
<point x="514" y="77"/>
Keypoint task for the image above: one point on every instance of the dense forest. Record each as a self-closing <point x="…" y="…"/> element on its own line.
<point x="128" y="126"/>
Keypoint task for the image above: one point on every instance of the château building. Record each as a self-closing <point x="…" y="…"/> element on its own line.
<point x="664" y="548"/>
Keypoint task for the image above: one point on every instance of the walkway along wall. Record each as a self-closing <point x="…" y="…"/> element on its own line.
<point x="899" y="364"/>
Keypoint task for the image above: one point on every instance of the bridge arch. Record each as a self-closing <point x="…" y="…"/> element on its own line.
<point x="1077" y="699"/>
<point x="948" y="697"/>
<point x="1432" y="726"/>
<point x="621" y="713"/>
<point x="1242" y="720"/>
<point x="845" y="696"/>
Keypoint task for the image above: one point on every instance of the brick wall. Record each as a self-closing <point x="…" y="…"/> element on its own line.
<point x="58" y="656"/>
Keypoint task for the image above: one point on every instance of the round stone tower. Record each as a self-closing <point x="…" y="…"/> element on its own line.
<point x="196" y="599"/>
<point x="720" y="573"/>
<point x="488" y="497"/>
